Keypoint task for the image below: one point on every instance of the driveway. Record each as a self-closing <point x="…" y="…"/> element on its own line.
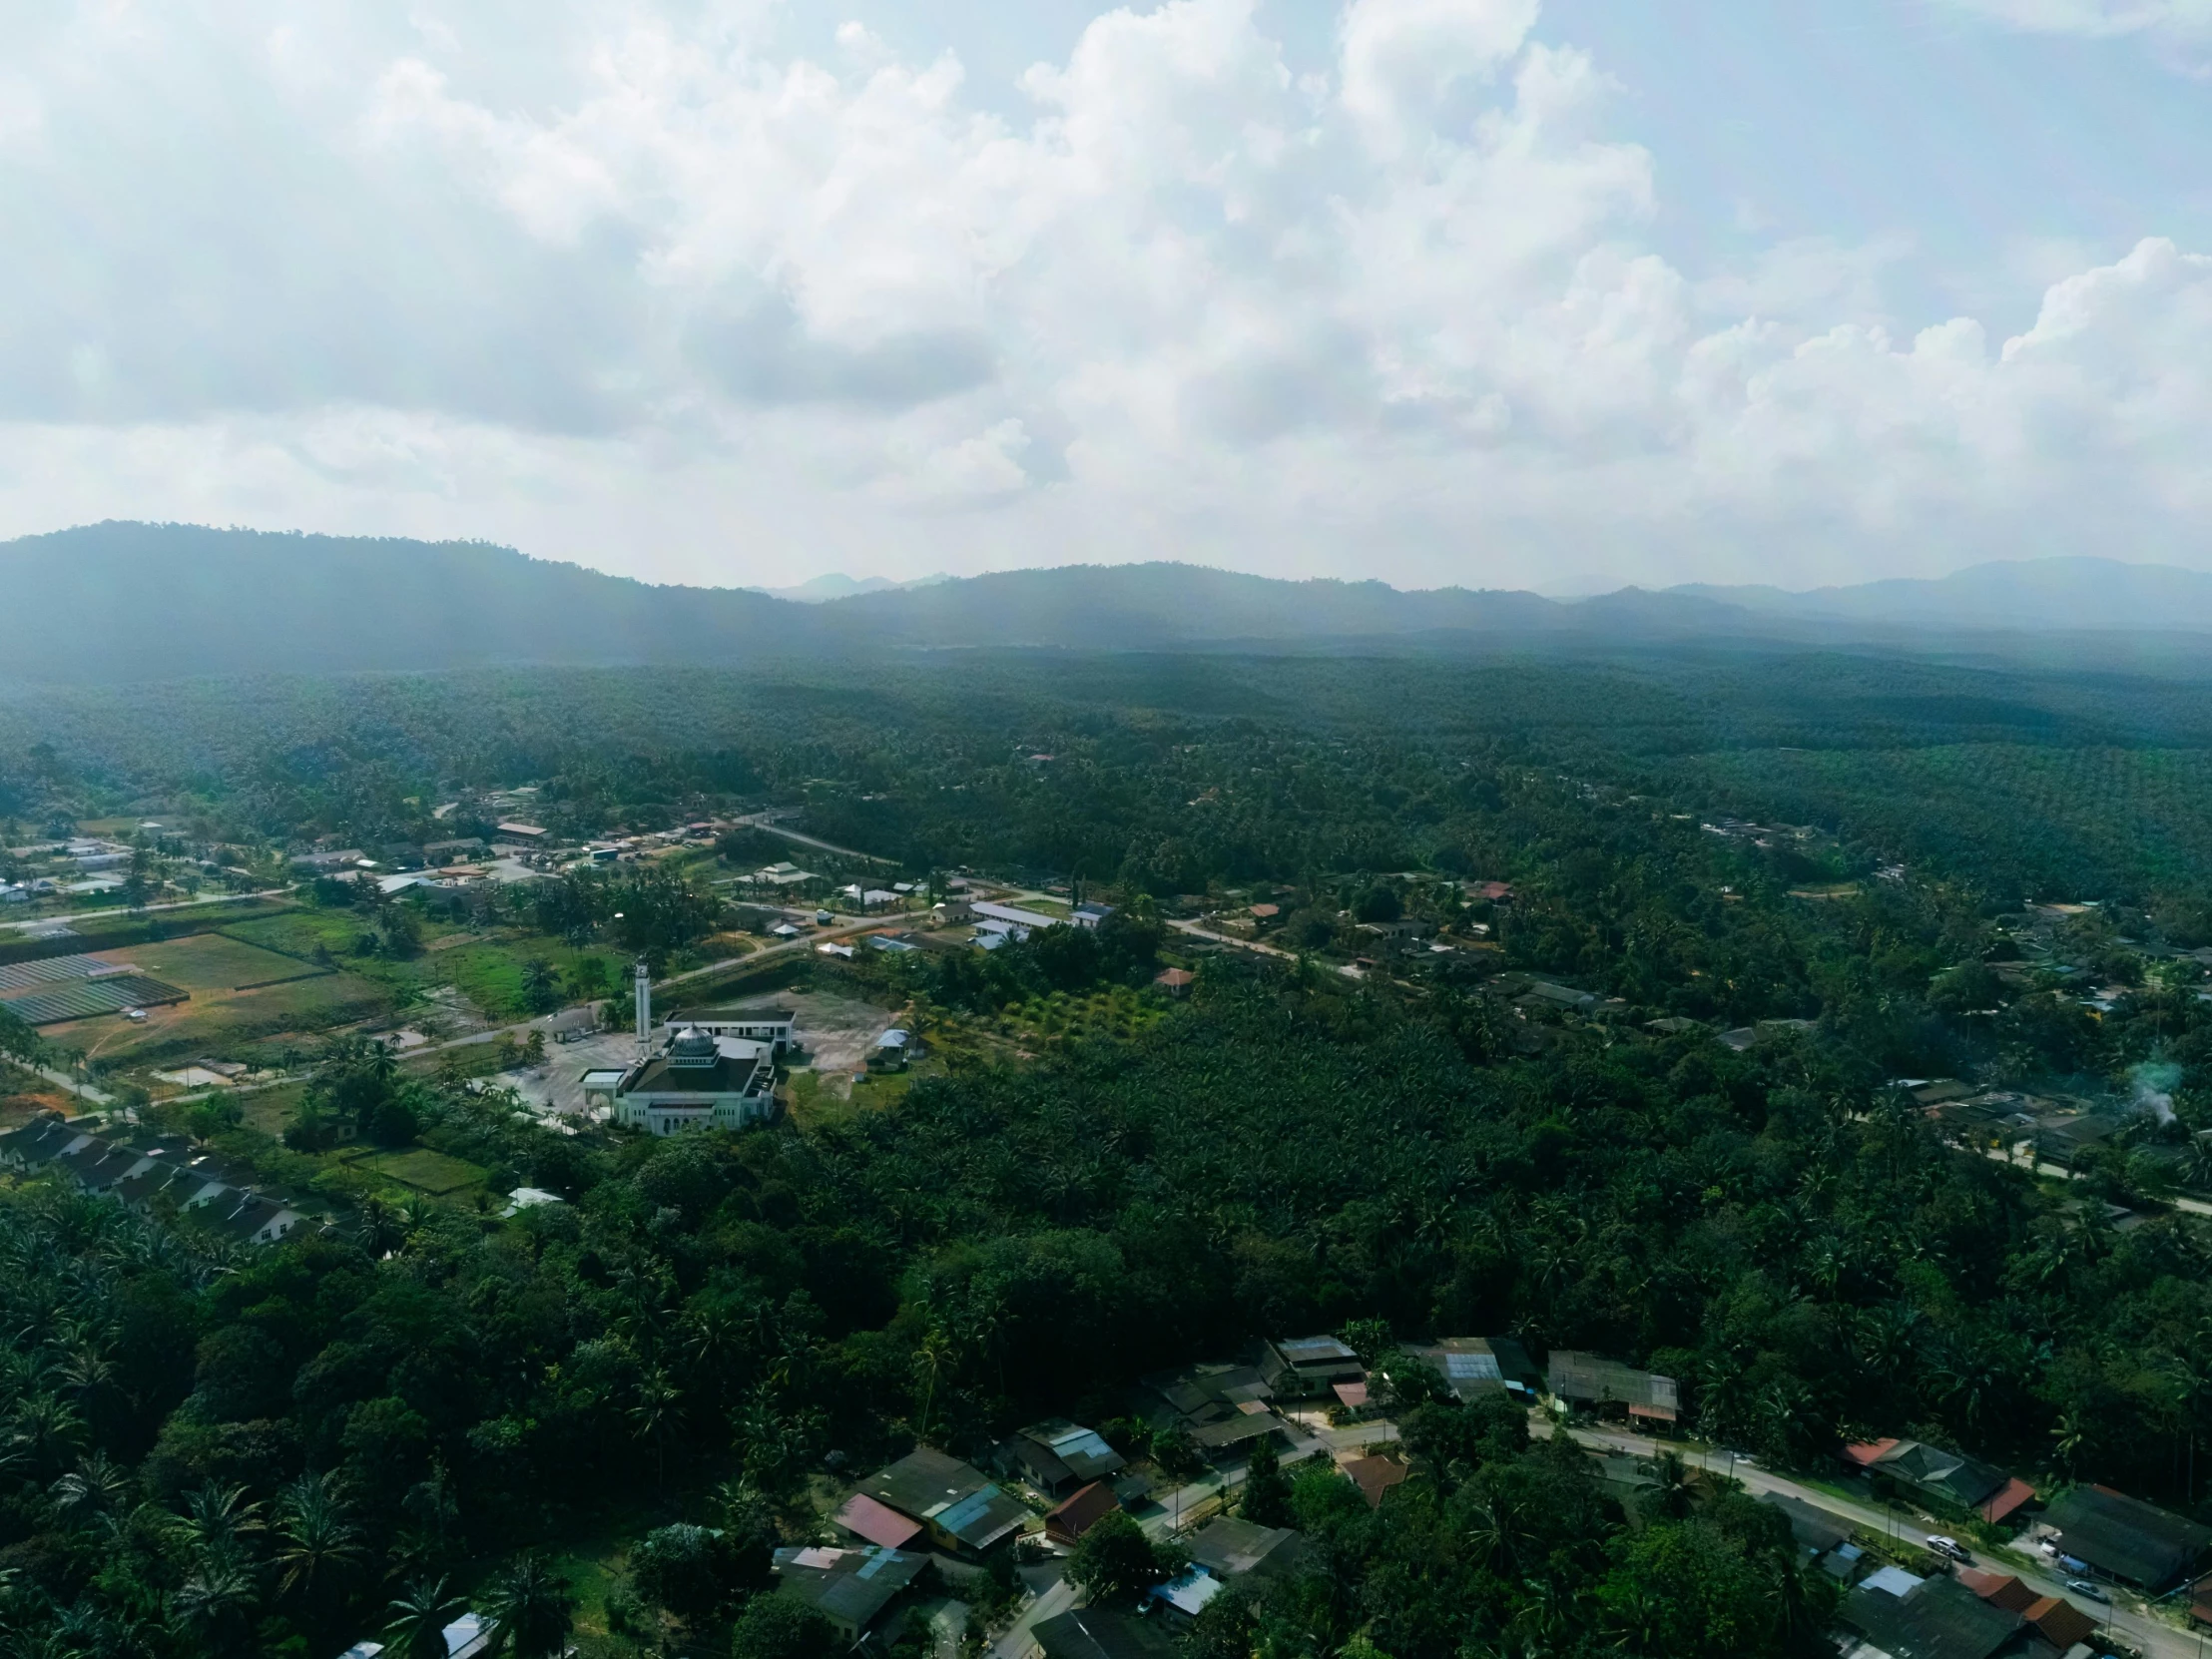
<point x="2137" y="1629"/>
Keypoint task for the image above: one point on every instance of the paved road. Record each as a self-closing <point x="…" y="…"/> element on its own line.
<point x="523" y="1028"/>
<point x="759" y="821"/>
<point x="1016" y="1642"/>
<point x="1197" y="931"/>
<point x="2138" y="1629"/>
<point x="62" y="1080"/>
<point x="75" y="916"/>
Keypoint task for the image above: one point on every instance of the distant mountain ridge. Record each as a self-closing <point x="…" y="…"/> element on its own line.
<point x="2068" y="593"/>
<point x="836" y="585"/>
<point x="126" y="601"/>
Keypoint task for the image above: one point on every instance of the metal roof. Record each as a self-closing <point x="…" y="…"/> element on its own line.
<point x="2127" y="1537"/>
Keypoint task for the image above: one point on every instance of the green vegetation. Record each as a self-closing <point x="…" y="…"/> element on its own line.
<point x="1084" y="1179"/>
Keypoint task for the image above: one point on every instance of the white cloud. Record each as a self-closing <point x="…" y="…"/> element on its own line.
<point x="638" y="286"/>
<point x="2098" y="17"/>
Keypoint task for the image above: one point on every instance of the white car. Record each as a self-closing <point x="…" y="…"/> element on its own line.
<point x="1951" y="1547"/>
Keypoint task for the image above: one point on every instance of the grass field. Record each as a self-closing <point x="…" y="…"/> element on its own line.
<point x="230" y="1025"/>
<point x="206" y="963"/>
<point x="269" y="1110"/>
<point x="419" y="1167"/>
<point x="485" y="966"/>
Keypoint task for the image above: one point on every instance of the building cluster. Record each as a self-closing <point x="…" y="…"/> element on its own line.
<point x="705" y="1073"/>
<point x="158" y="1177"/>
<point x="75" y="867"/>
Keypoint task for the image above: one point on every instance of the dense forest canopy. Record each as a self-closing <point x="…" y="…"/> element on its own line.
<point x="217" y="1454"/>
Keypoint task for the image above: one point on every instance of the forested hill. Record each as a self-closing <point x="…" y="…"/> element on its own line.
<point x="122" y="601"/>
<point x="147" y="601"/>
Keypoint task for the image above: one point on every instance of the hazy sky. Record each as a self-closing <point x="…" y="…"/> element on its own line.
<point x="1439" y="291"/>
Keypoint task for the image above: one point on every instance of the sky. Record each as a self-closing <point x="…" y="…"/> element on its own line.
<point x="1487" y="293"/>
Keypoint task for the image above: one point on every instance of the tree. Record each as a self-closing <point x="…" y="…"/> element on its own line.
<point x="684" y="1571"/>
<point x="541" y="988"/>
<point x="1267" y="1489"/>
<point x="417" y="1618"/>
<point x="532" y="1608"/>
<point x="780" y="1627"/>
<point x="316" y="1540"/>
<point x="1115" y="1561"/>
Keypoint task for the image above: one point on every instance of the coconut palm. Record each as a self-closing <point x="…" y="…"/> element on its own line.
<point x="96" y="1487"/>
<point x="417" y="1618"/>
<point x="316" y="1540"/>
<point x="532" y="1608"/>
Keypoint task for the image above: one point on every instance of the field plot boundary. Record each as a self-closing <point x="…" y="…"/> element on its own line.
<point x="56" y="970"/>
<point x="440" y="1173"/>
<point x="90" y="998"/>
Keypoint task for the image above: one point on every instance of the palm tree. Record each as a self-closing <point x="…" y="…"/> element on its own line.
<point x="215" y="1516"/>
<point x="420" y="1614"/>
<point x="659" y="1417"/>
<point x="315" y="1541"/>
<point x="1494" y="1532"/>
<point x="532" y="1608"/>
<point x="96" y="1487"/>
<point x="45" y="1430"/>
<point x="217" y="1596"/>
<point x="1671" y="1499"/>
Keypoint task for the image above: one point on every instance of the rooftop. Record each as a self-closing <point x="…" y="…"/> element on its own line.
<point x="1937" y="1619"/>
<point x="1104" y="1633"/>
<point x="849" y="1586"/>
<point x="2126" y="1537"/>
<point x="1230" y="1547"/>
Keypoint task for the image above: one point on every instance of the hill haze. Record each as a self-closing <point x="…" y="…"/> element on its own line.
<point x="126" y="601"/>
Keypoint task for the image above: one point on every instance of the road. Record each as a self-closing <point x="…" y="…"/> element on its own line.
<point x="1198" y="933"/>
<point x="759" y="821"/>
<point x="1016" y="1641"/>
<point x="145" y="910"/>
<point x="523" y="1028"/>
<point x="2138" y="1629"/>
<point x="62" y="1080"/>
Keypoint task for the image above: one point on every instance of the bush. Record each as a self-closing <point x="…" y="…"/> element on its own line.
<point x="780" y="1627"/>
<point x="683" y="1570"/>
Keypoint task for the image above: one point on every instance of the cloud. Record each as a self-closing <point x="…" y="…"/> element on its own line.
<point x="2097" y="18"/>
<point x="642" y="286"/>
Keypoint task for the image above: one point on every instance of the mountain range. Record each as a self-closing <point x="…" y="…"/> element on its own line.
<point x="129" y="601"/>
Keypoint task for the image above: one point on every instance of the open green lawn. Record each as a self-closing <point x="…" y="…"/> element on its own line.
<point x="485" y="966"/>
<point x="419" y="1167"/>
<point x="269" y="1110"/>
<point x="246" y="1026"/>
<point x="207" y="962"/>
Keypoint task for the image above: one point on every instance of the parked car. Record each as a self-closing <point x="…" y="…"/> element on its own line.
<point x="2087" y="1589"/>
<point x="1951" y="1547"/>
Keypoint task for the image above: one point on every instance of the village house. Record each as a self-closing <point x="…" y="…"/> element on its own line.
<point x="2107" y="1533"/>
<point x="1307" y="1367"/>
<point x="1222" y="1407"/>
<point x="1105" y="1633"/>
<point x="1058" y="1456"/>
<point x="1476" y="1365"/>
<point x="954" y="1505"/>
<point x="852" y="1588"/>
<point x="1585" y="1382"/>
<point x="1948" y="1482"/>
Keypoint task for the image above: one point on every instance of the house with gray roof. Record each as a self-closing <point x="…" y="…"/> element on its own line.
<point x="1058" y="1456"/>
<point x="2126" y="1538"/>
<point x="957" y="1505"/>
<point x="852" y="1588"/>
<point x="1592" y="1382"/>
